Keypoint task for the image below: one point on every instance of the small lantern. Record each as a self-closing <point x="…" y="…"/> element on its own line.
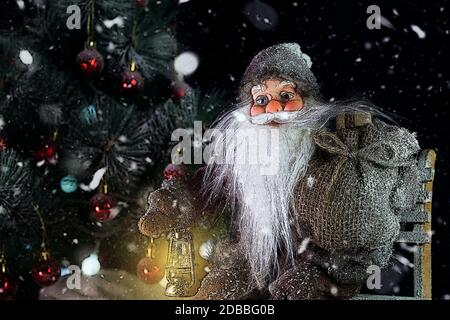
<point x="180" y="264"/>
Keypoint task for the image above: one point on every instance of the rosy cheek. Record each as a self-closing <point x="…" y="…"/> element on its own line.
<point x="255" y="110"/>
<point x="293" y="105"/>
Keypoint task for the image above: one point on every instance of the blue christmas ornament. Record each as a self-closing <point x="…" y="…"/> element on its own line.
<point x="69" y="184"/>
<point x="88" y="115"/>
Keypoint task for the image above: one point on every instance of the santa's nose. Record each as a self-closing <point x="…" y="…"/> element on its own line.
<point x="274" y="106"/>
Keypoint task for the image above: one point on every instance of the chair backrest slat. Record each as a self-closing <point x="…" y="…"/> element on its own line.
<point x="417" y="237"/>
<point x="418" y="215"/>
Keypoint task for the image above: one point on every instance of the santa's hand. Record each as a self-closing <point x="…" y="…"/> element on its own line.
<point x="107" y="285"/>
<point x="171" y="206"/>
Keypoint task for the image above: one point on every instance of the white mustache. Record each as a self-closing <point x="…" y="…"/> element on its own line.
<point x="278" y="117"/>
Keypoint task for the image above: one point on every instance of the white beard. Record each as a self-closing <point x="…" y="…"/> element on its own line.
<point x="262" y="202"/>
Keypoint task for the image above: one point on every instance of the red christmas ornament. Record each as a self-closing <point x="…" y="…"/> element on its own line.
<point x="47" y="153"/>
<point x="179" y="90"/>
<point x="90" y="62"/>
<point x="2" y="144"/>
<point x="174" y="171"/>
<point x="132" y="81"/>
<point x="8" y="286"/>
<point x="46" y="272"/>
<point x="149" y="271"/>
<point x="103" y="207"/>
<point x="141" y="3"/>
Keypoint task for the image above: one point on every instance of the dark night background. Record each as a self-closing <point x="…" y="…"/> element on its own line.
<point x="393" y="67"/>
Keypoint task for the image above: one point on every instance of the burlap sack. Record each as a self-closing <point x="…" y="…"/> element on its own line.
<point x="356" y="184"/>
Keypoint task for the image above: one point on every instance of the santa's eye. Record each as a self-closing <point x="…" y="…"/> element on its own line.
<point x="261" y="100"/>
<point x="286" y="96"/>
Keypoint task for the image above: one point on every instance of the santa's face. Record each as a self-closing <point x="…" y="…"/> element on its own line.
<point x="274" y="96"/>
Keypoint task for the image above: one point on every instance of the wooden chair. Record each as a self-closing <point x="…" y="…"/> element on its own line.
<point x="420" y="234"/>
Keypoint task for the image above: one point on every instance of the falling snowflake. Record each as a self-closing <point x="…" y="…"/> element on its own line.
<point x="117" y="21"/>
<point x="26" y="57"/>
<point x="20" y="4"/>
<point x="404" y="261"/>
<point x="133" y="166"/>
<point x="334" y="290"/>
<point x="111" y="47"/>
<point x="186" y="63"/>
<point x="310" y="182"/>
<point x="122" y="138"/>
<point x="132" y="247"/>
<point x="408" y="248"/>
<point x="420" y="33"/>
<point x="303" y="246"/>
<point x="386" y="23"/>
<point x="98" y="175"/>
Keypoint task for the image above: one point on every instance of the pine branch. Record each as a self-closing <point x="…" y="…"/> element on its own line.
<point x="121" y="140"/>
<point x="15" y="195"/>
<point x="138" y="34"/>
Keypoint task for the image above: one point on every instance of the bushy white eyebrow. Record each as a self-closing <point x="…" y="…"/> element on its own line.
<point x="258" y="88"/>
<point x="286" y="83"/>
<point x="262" y="87"/>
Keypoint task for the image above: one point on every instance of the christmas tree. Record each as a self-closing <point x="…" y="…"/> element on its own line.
<point x="89" y="97"/>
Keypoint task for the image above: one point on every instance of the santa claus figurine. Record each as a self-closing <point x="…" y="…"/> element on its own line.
<point x="309" y="221"/>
